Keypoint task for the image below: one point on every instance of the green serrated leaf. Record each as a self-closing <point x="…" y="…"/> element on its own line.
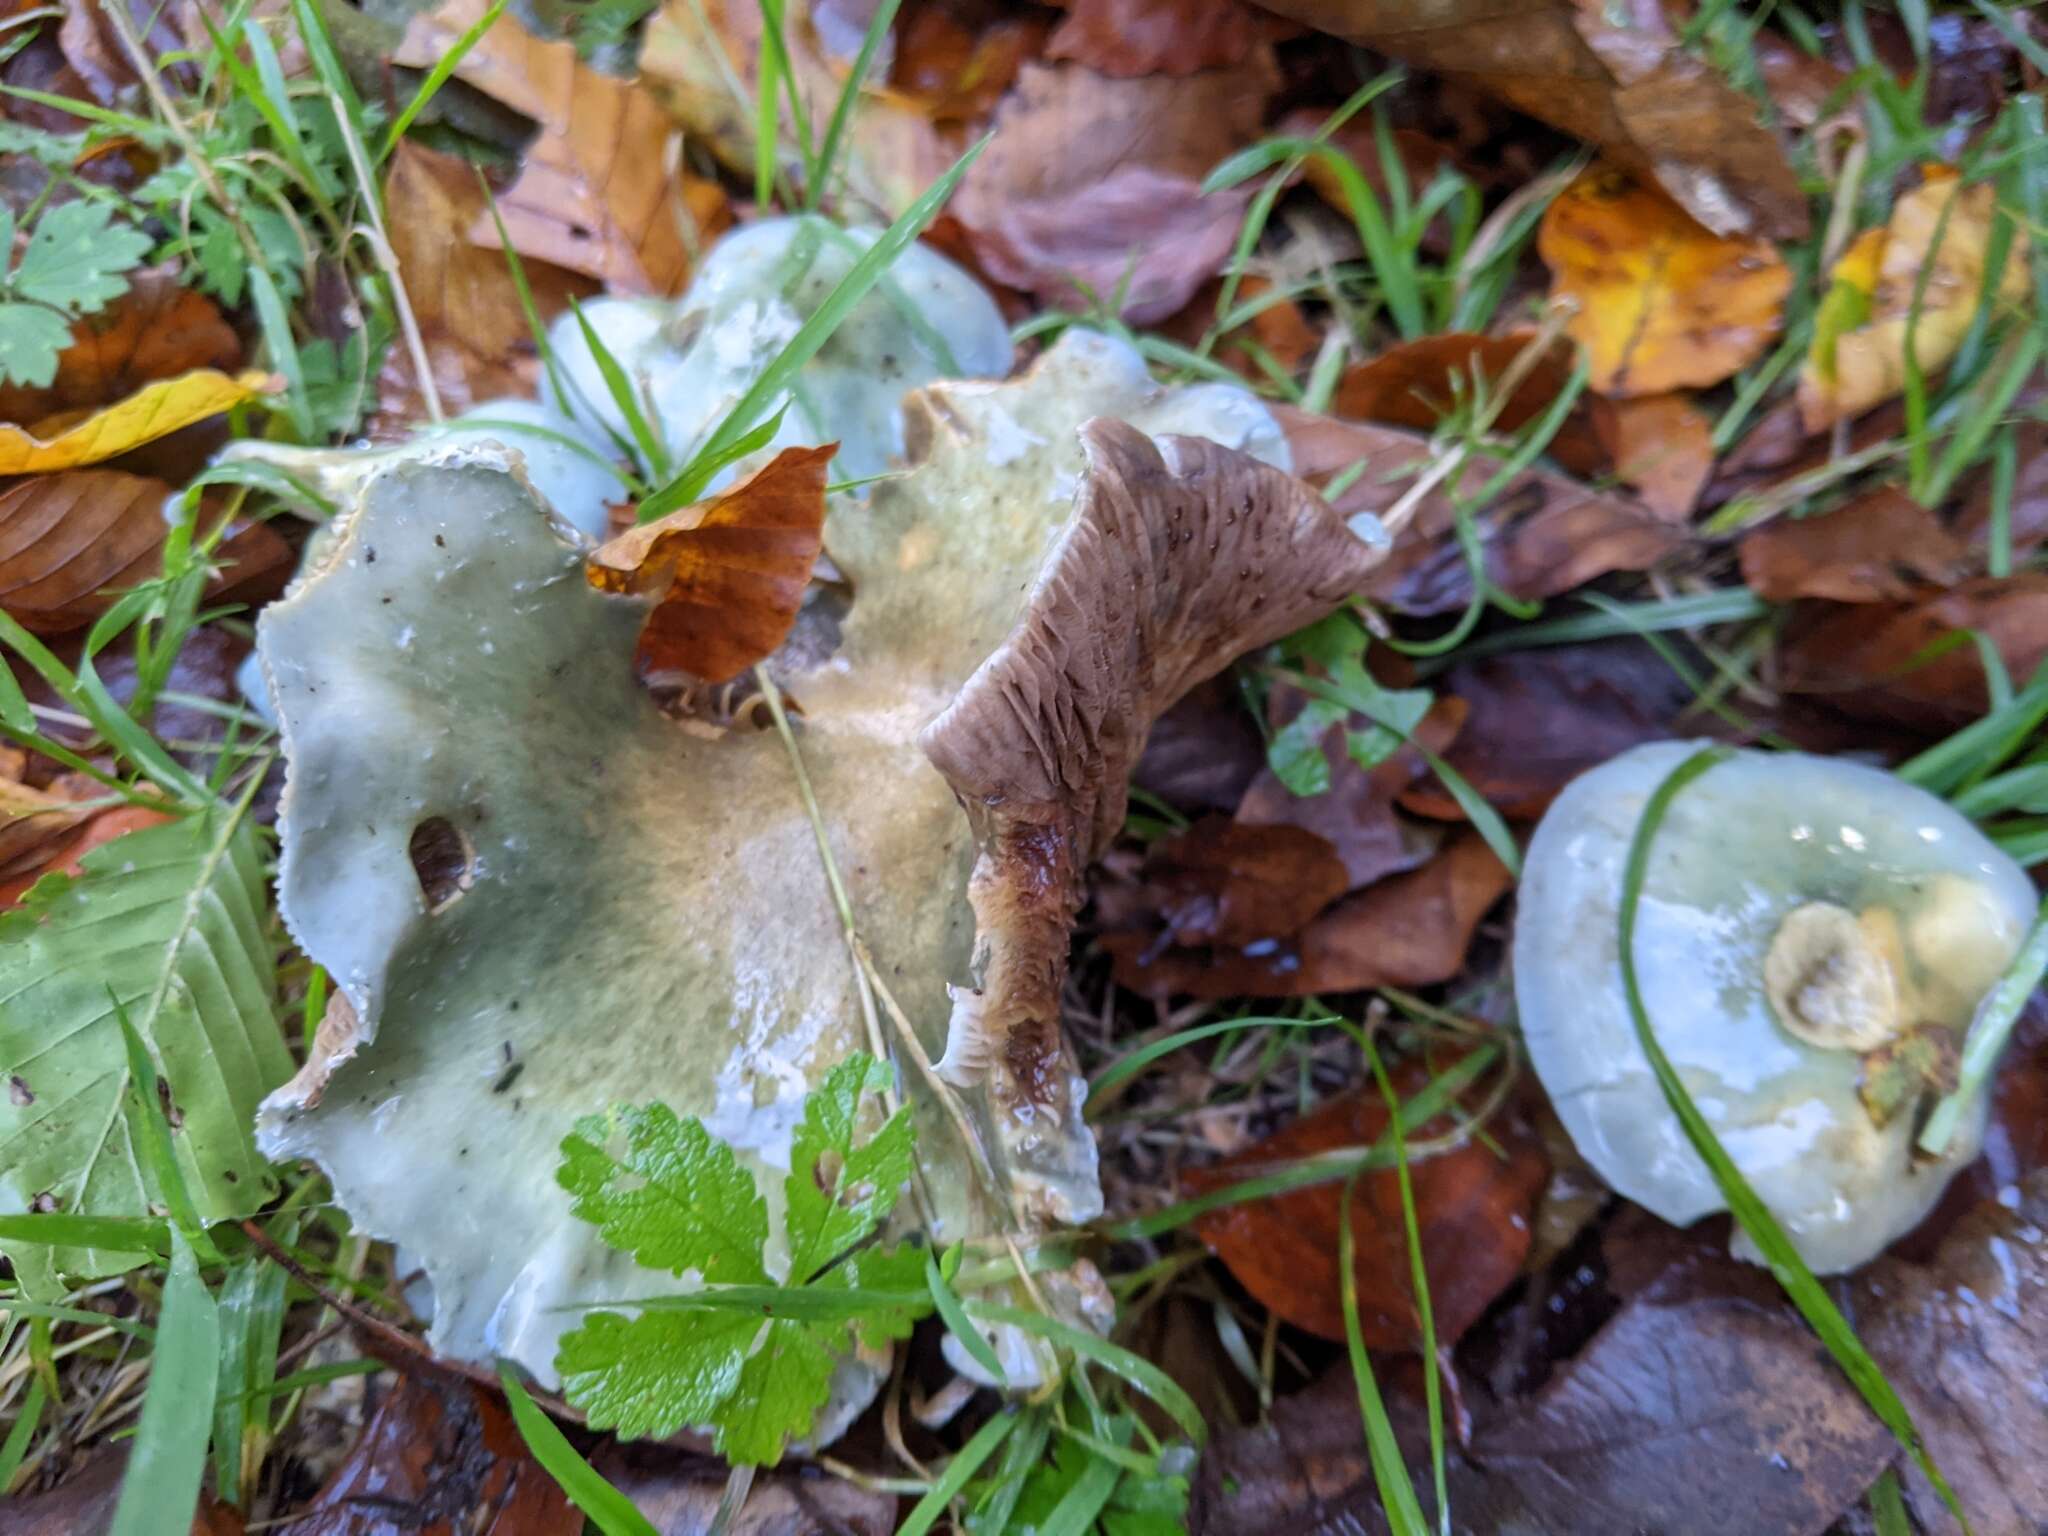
<point x="657" y="1373"/>
<point x="898" y="1270"/>
<point x="1295" y="754"/>
<point x="31" y="337"/>
<point x="1399" y="713"/>
<point x="76" y="257"/>
<point x="839" y="1192"/>
<point x="165" y="925"/>
<point x="671" y="1195"/>
<point x="781" y="1388"/>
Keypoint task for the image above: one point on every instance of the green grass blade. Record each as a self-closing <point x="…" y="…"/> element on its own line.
<point x="26" y="1421"/>
<point x="608" y="1509"/>
<point x="813" y="334"/>
<point x="437" y="77"/>
<point x="947" y="1300"/>
<point x="1138" y="1371"/>
<point x="1126" y="1067"/>
<point x="112" y="1234"/>
<point x="1075" y="1513"/>
<point x="842" y="110"/>
<point x="965" y="1463"/>
<point x="160" y="1488"/>
<point x="1389" y="1472"/>
<point x="625" y="395"/>
<point x="1763" y="1228"/>
<point x="1988" y="1033"/>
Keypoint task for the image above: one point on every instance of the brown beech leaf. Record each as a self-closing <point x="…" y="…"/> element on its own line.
<point x="1092" y="185"/>
<point x="34" y="855"/>
<point x="159" y="328"/>
<point x="462" y="294"/>
<point x="1613" y="75"/>
<point x="1663" y="447"/>
<point x="1356" y="814"/>
<point x="1130" y="38"/>
<point x="1204" y="752"/>
<point x="1663" y="303"/>
<point x="2028" y="510"/>
<point x="69" y="542"/>
<point x="1966" y="1344"/>
<point x="956" y="60"/>
<point x="439" y="1458"/>
<point x="1881" y="547"/>
<point x="84" y="1502"/>
<point x="1537" y="719"/>
<point x="1409" y="930"/>
<point x="1226" y="882"/>
<point x="593" y="193"/>
<point x="1871" y="660"/>
<point x="1472" y="1205"/>
<point x="680" y="1493"/>
<point x="730" y="573"/>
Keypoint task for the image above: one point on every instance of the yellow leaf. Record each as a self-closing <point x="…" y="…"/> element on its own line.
<point x="1664" y="303"/>
<point x="153" y="411"/>
<point x="1851" y="369"/>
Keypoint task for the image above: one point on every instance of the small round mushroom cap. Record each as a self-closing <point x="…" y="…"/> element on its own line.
<point x="1804" y="920"/>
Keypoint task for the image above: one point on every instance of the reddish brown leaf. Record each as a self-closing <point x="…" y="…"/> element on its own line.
<point x="1093" y="185"/>
<point x="61" y="855"/>
<point x="84" y="1502"/>
<point x="2028" y="510"/>
<point x="1204" y="752"/>
<point x="157" y="330"/>
<point x="439" y="1458"/>
<point x="1409" y="930"/>
<point x="1881" y="547"/>
<point x="681" y="1493"/>
<point x="1612" y="75"/>
<point x="730" y="573"/>
<point x="1872" y="660"/>
<point x="957" y="59"/>
<point x="1663" y="447"/>
<point x="1131" y="38"/>
<point x="1223" y="882"/>
<point x="1472" y="1206"/>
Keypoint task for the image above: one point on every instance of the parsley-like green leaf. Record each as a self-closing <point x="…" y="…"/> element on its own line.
<point x="838" y="1192"/>
<point x="76" y="257"/>
<point x="31" y="337"/>
<point x="651" y="1375"/>
<point x="666" y="1191"/>
<point x="1295" y="754"/>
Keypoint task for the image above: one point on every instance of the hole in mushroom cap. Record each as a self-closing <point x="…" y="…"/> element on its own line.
<point x="443" y="861"/>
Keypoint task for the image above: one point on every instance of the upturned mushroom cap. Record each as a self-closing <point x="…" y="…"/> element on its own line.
<point x="539" y="896"/>
<point x="1801" y="918"/>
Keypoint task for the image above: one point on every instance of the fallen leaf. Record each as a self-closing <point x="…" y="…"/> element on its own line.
<point x="1415" y="383"/>
<point x="1613" y="75"/>
<point x="1536" y="719"/>
<point x="1472" y="1204"/>
<point x="1091" y="190"/>
<point x="1409" y="930"/>
<point x="84" y="1501"/>
<point x="1204" y="752"/>
<point x="681" y="1494"/>
<point x="956" y="62"/>
<point x="439" y="1458"/>
<point x="1419" y="155"/>
<point x="1225" y="882"/>
<point x="71" y="541"/>
<point x="594" y="194"/>
<point x="28" y="850"/>
<point x="1934" y="246"/>
<point x="155" y="410"/>
<point x="1663" y="447"/>
<point x="1278" y="329"/>
<point x="1882" y="547"/>
<point x="1663" y="303"/>
<point x="1543" y="534"/>
<point x="1133" y="38"/>
<point x="2027" y="512"/>
<point x="159" y="328"/>
<point x="1871" y="660"/>
<point x="727" y="575"/>
<point x="1965" y="1343"/>
<point x="462" y="294"/>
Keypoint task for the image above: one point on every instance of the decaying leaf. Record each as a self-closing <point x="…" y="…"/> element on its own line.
<point x="630" y="911"/>
<point x="728" y="575"/>
<point x="156" y="330"/>
<point x="956" y="61"/>
<point x="1931" y="255"/>
<point x="1229" y="882"/>
<point x="1472" y="1204"/>
<point x="680" y="1493"/>
<point x="44" y="833"/>
<point x="593" y="194"/>
<point x="1134" y="38"/>
<point x="1881" y="547"/>
<point x="1091" y="190"/>
<point x="1613" y="75"/>
<point x="155" y="410"/>
<point x="1663" y="303"/>
<point x="1663" y="447"/>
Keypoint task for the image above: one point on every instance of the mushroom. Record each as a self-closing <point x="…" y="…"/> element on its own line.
<point x="693" y="358"/>
<point x="507" y="857"/>
<point x="1813" y="939"/>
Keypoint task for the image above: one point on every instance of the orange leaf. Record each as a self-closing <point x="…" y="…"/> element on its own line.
<point x="1663" y="445"/>
<point x="730" y="573"/>
<point x="156" y="330"/>
<point x="1663" y="304"/>
<point x="151" y="412"/>
<point x="18" y="875"/>
<point x="593" y="194"/>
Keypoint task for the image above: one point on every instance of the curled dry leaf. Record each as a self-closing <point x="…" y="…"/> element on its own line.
<point x="1874" y="661"/>
<point x="153" y="411"/>
<point x="1092" y="187"/>
<point x="1881" y="547"/>
<point x="156" y="330"/>
<point x="1613" y="75"/>
<point x="594" y="194"/>
<point x="609" y="866"/>
<point x="727" y="575"/>
<point x="1134" y="38"/>
<point x="1663" y="303"/>
<point x="1932" y="252"/>
<point x="1663" y="447"/>
<point x="1472" y="1206"/>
